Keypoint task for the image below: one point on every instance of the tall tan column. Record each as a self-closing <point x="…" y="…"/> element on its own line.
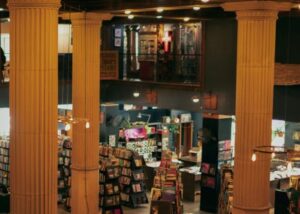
<point x="86" y="104"/>
<point x="254" y="101"/>
<point x="33" y="106"/>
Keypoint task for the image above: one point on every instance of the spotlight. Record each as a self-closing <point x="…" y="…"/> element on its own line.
<point x="127" y="12"/>
<point x="205" y="1"/>
<point x="130" y="16"/>
<point x="186" y="19"/>
<point x="87" y="125"/>
<point x="253" y="158"/>
<point x="158" y="17"/>
<point x="196" y="8"/>
<point x="159" y="10"/>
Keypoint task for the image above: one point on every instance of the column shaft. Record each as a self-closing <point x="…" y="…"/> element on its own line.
<point x="33" y="106"/>
<point x="254" y="101"/>
<point x="254" y="108"/>
<point x="86" y="104"/>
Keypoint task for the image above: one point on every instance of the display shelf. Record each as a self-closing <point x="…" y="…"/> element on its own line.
<point x="109" y="173"/>
<point x="64" y="172"/>
<point x="216" y="151"/>
<point x="167" y="187"/>
<point x="133" y="191"/>
<point x="226" y="191"/>
<point x="4" y="164"/>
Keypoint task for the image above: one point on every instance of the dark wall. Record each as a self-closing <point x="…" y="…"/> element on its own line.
<point x="287" y="98"/>
<point x="220" y="62"/>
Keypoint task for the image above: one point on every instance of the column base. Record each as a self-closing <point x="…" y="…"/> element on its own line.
<point x="251" y="210"/>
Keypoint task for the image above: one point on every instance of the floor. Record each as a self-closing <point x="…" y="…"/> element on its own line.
<point x="189" y="208"/>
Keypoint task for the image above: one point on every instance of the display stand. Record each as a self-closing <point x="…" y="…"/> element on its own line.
<point x="133" y="191"/>
<point x="166" y="193"/>
<point x="109" y="173"/>
<point x="4" y="174"/>
<point x="216" y="151"/>
<point x="64" y="173"/>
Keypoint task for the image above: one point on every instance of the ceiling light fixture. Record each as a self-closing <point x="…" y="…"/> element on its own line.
<point x="127" y="12"/>
<point x="158" y="17"/>
<point x="130" y="16"/>
<point x="196" y="8"/>
<point x="136" y="94"/>
<point x="186" y="19"/>
<point x="159" y="10"/>
<point x="195" y="99"/>
<point x="1" y="9"/>
<point x="205" y="1"/>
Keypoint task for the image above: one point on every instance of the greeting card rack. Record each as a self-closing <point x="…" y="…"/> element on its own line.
<point x="64" y="173"/>
<point x="133" y="190"/>
<point x="4" y="164"/>
<point x="167" y="187"/>
<point x="109" y="173"/>
<point x="226" y="192"/>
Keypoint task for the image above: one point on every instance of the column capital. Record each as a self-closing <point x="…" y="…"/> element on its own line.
<point x="257" y="5"/>
<point x="33" y="4"/>
<point x="82" y="18"/>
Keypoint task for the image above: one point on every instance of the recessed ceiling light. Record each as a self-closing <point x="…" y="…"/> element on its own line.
<point x="159" y="10"/>
<point x="127" y="12"/>
<point x="186" y="19"/>
<point x="205" y="1"/>
<point x="196" y="8"/>
<point x="299" y="6"/>
<point x="130" y="16"/>
<point x="158" y="17"/>
<point x="1" y="9"/>
<point x="8" y="19"/>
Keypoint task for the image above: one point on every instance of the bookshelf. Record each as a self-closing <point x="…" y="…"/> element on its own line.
<point x="4" y="163"/>
<point x="133" y="191"/>
<point x="64" y="173"/>
<point x="109" y="173"/>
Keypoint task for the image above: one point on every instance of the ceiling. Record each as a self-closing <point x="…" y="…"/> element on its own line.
<point x="146" y="9"/>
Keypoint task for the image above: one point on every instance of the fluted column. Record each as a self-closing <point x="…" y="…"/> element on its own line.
<point x="86" y="104"/>
<point x="254" y="101"/>
<point x="33" y="106"/>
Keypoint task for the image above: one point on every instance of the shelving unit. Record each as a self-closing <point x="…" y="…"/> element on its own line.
<point x="133" y="190"/>
<point x="109" y="173"/>
<point x="216" y="151"/>
<point x="64" y="174"/>
<point x="4" y="163"/>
